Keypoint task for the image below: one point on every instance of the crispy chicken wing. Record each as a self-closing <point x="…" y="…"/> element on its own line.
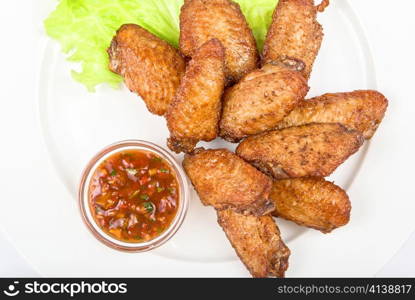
<point x="223" y="180"/>
<point x="150" y="66"/>
<point x="294" y="34"/>
<point x="260" y="101"/>
<point x="309" y="150"/>
<point x="195" y="111"/>
<point x="202" y="20"/>
<point x="360" y="110"/>
<point x="257" y="242"/>
<point x="312" y="202"/>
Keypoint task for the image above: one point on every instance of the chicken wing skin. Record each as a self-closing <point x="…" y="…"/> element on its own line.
<point x="309" y="150"/>
<point x="257" y="242"/>
<point x="202" y="20"/>
<point x="312" y="202"/>
<point x="260" y="101"/>
<point x="294" y="34"/>
<point x="195" y="111"/>
<point x="150" y="66"/>
<point x="223" y="180"/>
<point x="360" y="110"/>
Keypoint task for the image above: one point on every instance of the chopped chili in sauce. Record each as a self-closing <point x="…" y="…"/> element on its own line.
<point x="134" y="195"/>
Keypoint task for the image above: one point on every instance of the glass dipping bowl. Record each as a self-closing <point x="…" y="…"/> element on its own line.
<point x="83" y="196"/>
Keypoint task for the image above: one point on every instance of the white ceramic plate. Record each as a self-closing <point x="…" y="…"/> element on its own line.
<point x="76" y="124"/>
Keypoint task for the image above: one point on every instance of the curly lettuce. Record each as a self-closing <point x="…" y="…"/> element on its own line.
<point x="84" y="29"/>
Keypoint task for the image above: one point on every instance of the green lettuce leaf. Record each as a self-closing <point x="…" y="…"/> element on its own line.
<point x="84" y="28"/>
<point x="259" y="16"/>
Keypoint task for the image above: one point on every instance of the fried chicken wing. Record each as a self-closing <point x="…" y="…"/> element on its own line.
<point x="294" y="34"/>
<point x="312" y="202"/>
<point x="260" y="101"/>
<point x="257" y="242"/>
<point x="309" y="150"/>
<point x="195" y="111"/>
<point x="360" y="110"/>
<point x="223" y="180"/>
<point x="201" y="21"/>
<point x="150" y="66"/>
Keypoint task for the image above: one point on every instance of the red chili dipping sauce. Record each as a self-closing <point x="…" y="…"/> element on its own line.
<point x="134" y="195"/>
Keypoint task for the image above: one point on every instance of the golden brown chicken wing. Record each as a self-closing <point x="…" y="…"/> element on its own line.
<point x="257" y="242"/>
<point x="360" y="110"/>
<point x="201" y="21"/>
<point x="150" y="66"/>
<point x="260" y="101"/>
<point x="312" y="202"/>
<point x="223" y="180"/>
<point x="309" y="150"/>
<point x="294" y="34"/>
<point x="195" y="111"/>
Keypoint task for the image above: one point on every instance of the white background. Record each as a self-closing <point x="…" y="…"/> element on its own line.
<point x="390" y="28"/>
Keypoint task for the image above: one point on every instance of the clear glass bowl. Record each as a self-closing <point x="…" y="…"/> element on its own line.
<point x="84" y="198"/>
